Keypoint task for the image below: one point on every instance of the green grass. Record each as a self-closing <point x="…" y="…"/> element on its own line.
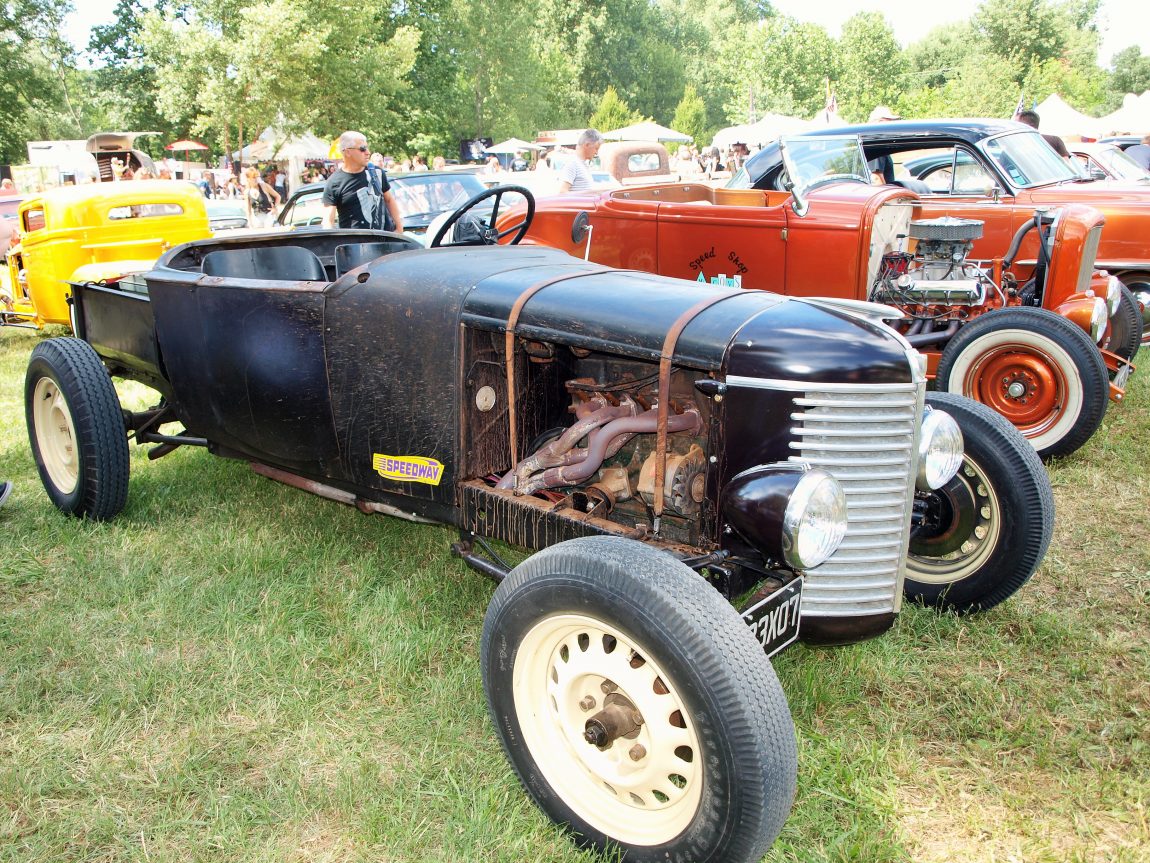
<point x="234" y="670"/>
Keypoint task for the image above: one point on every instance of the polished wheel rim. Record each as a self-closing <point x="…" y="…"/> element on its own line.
<point x="1141" y="292"/>
<point x="576" y="676"/>
<point x="985" y="529"/>
<point x="56" y="436"/>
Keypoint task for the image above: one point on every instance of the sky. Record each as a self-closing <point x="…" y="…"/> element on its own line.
<point x="1122" y="22"/>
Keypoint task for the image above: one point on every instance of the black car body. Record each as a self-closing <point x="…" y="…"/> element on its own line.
<point x="725" y="431"/>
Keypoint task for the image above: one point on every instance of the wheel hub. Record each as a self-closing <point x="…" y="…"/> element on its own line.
<point x="1023" y="386"/>
<point x="618" y="718"/>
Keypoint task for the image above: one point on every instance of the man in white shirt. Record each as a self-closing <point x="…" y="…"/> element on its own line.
<point x="574" y="175"/>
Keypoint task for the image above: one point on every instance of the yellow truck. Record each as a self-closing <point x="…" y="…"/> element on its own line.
<point x="93" y="233"/>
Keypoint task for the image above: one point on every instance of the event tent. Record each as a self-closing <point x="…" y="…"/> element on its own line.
<point x="512" y="146"/>
<point x="646" y="131"/>
<point x="760" y="133"/>
<point x="1133" y="118"/>
<point x="1058" y="118"/>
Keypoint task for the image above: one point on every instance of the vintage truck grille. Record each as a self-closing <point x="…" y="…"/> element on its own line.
<point x="867" y="438"/>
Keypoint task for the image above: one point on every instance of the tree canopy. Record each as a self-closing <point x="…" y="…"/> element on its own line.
<point x="420" y="75"/>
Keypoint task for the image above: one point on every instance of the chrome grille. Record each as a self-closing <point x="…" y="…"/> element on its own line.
<point x="867" y="438"/>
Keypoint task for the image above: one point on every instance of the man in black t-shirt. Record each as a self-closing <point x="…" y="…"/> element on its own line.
<point x="1031" y="119"/>
<point x="358" y="194"/>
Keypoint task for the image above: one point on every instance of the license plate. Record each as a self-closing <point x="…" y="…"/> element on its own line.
<point x="775" y="619"/>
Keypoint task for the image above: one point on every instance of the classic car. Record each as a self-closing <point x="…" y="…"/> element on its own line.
<point x="832" y="233"/>
<point x="1000" y="172"/>
<point x="226" y="215"/>
<point x="1105" y="161"/>
<point x="706" y="479"/>
<point x="422" y="195"/>
<point x="93" y="232"/>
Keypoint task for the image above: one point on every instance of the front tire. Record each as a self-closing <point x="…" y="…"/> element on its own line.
<point x="76" y="429"/>
<point x="1034" y="367"/>
<point x="986" y="531"/>
<point x="1124" y="332"/>
<point x="592" y="626"/>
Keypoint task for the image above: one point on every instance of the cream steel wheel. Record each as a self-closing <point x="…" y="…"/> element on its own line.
<point x="55" y="435"/>
<point x="641" y="787"/>
<point x="76" y="429"/>
<point x="636" y="706"/>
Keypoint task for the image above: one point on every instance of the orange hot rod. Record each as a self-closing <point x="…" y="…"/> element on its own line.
<point x="1019" y="331"/>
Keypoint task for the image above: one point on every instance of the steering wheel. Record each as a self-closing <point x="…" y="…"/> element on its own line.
<point x="487" y="233"/>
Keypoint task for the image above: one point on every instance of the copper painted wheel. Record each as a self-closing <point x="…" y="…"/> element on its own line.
<point x="1037" y="369"/>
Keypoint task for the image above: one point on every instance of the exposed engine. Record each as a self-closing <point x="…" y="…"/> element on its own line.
<point x="936" y="276"/>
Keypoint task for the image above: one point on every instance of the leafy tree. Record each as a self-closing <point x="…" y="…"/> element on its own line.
<point x="613" y="113"/>
<point x="321" y="66"/>
<point x="780" y="65"/>
<point x="1020" y="33"/>
<point x="36" y="76"/>
<point x="871" y="66"/>
<point x="1131" y="72"/>
<point x="691" y="116"/>
<point x="935" y="59"/>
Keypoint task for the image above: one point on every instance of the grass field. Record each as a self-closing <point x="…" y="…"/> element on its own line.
<point x="234" y="670"/>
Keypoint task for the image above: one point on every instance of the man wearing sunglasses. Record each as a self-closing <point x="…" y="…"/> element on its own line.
<point x="358" y="194"/>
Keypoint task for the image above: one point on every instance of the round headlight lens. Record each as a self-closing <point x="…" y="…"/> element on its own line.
<point x="939" y="449"/>
<point x="815" y="520"/>
<point x="1113" y="295"/>
<point x="1098" y="319"/>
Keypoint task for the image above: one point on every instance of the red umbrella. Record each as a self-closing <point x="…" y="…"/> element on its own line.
<point x="185" y="146"/>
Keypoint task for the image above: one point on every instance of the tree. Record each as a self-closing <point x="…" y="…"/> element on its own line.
<point x="321" y="67"/>
<point x="1131" y="72"/>
<point x="36" y="74"/>
<point x="691" y="116"/>
<point x="613" y="113"/>
<point x="871" y="66"/>
<point x="1020" y="33"/>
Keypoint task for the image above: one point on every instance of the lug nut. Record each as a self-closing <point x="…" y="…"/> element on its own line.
<point x="588" y="703"/>
<point x="637" y="752"/>
<point x="608" y="687"/>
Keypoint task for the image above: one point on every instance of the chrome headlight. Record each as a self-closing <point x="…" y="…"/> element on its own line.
<point x="815" y="521"/>
<point x="939" y="449"/>
<point x="1113" y="295"/>
<point x="789" y="512"/>
<point x="1098" y="319"/>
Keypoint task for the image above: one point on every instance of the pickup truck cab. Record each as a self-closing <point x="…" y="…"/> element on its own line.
<point x="94" y="232"/>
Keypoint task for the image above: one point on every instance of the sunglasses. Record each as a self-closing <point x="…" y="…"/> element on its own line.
<point x="361" y="149"/>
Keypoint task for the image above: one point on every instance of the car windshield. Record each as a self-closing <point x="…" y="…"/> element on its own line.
<point x="427" y="195"/>
<point x="1120" y="165"/>
<point x="1028" y="160"/>
<point x="814" y="161"/>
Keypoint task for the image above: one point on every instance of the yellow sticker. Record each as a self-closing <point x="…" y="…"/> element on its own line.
<point x="408" y="468"/>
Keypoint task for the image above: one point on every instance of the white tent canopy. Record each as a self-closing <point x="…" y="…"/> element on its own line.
<point x="1058" y="118"/>
<point x="1133" y="118"/>
<point x="760" y="133"/>
<point x="646" y="131"/>
<point x="512" y="146"/>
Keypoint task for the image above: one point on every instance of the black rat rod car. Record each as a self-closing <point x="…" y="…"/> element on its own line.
<point x="697" y="464"/>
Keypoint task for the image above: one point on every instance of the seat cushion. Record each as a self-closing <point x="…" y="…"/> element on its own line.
<point x="276" y="263"/>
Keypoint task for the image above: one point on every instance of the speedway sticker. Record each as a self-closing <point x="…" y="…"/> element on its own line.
<point x="408" y="468"/>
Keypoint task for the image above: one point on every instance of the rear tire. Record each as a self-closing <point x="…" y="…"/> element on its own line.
<point x="709" y="774"/>
<point x="1035" y="368"/>
<point x="76" y="429"/>
<point x="987" y="530"/>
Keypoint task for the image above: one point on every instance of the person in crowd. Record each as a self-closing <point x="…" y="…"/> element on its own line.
<point x="7" y="187"/>
<point x="207" y="184"/>
<point x="280" y="183"/>
<point x="1140" y="153"/>
<point x="519" y="163"/>
<point x="438" y="163"/>
<point x="685" y="165"/>
<point x="417" y="163"/>
<point x="1031" y="119"/>
<point x="164" y="174"/>
<point x="882" y="167"/>
<point x="358" y="194"/>
<point x="574" y="175"/>
<point x="492" y="165"/>
<point x="377" y="160"/>
<point x="260" y="199"/>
